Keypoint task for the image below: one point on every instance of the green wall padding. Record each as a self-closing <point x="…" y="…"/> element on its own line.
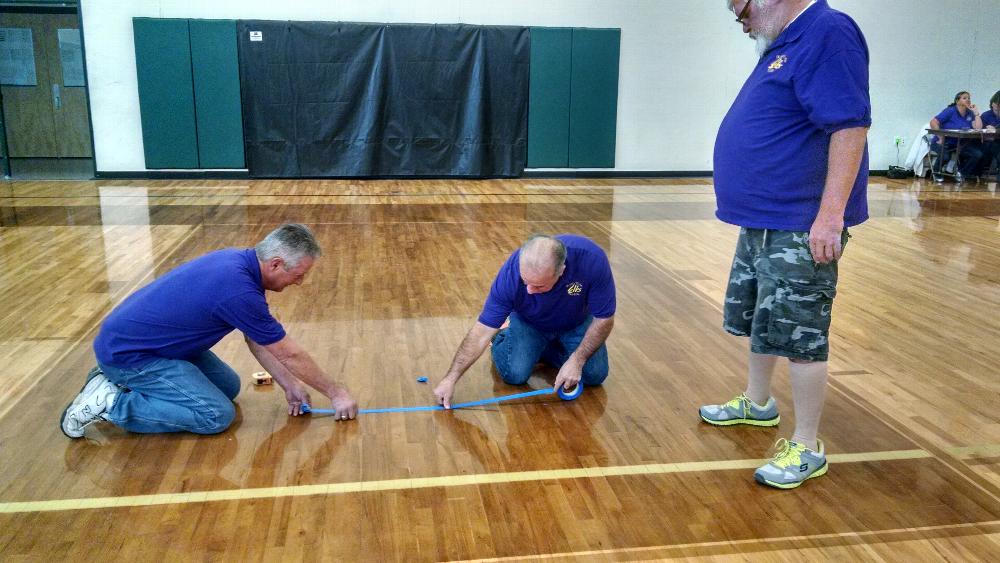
<point x="594" y="98"/>
<point x="549" y="97"/>
<point x="166" y="95"/>
<point x="215" y="67"/>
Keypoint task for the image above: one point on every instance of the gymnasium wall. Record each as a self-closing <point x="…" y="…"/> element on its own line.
<point x="682" y="62"/>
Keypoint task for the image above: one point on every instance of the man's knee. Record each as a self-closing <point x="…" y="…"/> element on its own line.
<point x="216" y="417"/>
<point x="517" y="372"/>
<point x="230" y="387"/>
<point x="596" y="369"/>
<point x="594" y="374"/>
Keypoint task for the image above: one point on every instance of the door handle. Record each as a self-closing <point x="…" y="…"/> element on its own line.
<point x="56" y="97"/>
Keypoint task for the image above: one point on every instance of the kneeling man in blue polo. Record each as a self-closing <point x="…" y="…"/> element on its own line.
<point x="559" y="295"/>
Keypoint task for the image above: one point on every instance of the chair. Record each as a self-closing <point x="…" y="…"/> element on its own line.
<point x="935" y="169"/>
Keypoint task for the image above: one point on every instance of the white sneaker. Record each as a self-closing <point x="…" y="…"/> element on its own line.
<point x="92" y="404"/>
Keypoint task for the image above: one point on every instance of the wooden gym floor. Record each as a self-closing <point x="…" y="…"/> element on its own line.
<point x="626" y="472"/>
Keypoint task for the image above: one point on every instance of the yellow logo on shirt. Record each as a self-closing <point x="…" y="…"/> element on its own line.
<point x="779" y="62"/>
<point x="574" y="288"/>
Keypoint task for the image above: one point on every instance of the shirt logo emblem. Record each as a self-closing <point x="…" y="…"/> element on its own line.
<point x="574" y="288"/>
<point x="779" y="62"/>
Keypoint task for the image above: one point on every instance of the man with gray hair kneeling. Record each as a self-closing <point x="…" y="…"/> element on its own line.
<point x="559" y="295"/>
<point x="155" y="371"/>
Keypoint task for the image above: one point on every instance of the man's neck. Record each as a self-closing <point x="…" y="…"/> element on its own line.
<point x="795" y="9"/>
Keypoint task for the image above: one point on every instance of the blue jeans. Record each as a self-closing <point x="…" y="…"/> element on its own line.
<point x="520" y="346"/>
<point x="969" y="157"/>
<point x="175" y="395"/>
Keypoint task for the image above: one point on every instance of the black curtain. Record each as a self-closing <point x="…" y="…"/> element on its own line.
<point x="355" y="99"/>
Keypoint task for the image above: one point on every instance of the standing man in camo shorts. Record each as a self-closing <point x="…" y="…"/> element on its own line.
<point x="791" y="169"/>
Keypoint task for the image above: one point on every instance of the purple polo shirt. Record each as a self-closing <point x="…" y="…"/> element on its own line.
<point x="188" y="310"/>
<point x="950" y="118"/>
<point x="990" y="118"/>
<point x="772" y="151"/>
<point x="585" y="288"/>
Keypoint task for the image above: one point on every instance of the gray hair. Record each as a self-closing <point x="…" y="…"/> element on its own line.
<point x="291" y="242"/>
<point x="540" y="252"/>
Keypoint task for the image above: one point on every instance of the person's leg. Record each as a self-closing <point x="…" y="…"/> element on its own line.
<point x="759" y="371"/>
<point x="595" y="369"/>
<point x="516" y="350"/>
<point x="797" y="327"/>
<point x="744" y="296"/>
<point x="808" y="395"/>
<point x="939" y="150"/>
<point x="991" y="152"/>
<point x="169" y="396"/>
<point x="219" y="373"/>
<point x="971" y="154"/>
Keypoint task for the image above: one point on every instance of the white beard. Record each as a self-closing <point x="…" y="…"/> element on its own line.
<point x="762" y="44"/>
<point x="769" y="31"/>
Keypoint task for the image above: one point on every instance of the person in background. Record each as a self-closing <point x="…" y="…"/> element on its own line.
<point x="961" y="114"/>
<point x="991" y="149"/>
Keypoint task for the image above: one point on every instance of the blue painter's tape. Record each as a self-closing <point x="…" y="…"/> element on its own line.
<point x="566" y="396"/>
<point x="570" y="395"/>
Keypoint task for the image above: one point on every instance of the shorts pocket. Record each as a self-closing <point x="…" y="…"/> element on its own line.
<point x="800" y="317"/>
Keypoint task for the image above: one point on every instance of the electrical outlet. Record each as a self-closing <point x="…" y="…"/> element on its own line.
<point x="898" y="140"/>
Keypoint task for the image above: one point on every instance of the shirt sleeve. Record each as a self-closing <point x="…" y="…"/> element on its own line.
<point x="834" y="92"/>
<point x="601" y="301"/>
<point x="943" y="116"/>
<point x="500" y="301"/>
<point x="250" y="314"/>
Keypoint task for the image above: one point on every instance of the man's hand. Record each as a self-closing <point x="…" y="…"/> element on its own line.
<point x="824" y="239"/>
<point x="296" y="395"/>
<point x="444" y="391"/>
<point x="569" y="375"/>
<point x="344" y="406"/>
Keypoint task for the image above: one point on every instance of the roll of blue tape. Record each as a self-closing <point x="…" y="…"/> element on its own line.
<point x="570" y="395"/>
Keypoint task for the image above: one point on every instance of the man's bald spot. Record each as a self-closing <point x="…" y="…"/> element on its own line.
<point x="543" y="254"/>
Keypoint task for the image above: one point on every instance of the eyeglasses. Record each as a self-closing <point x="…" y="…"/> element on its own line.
<point x="744" y="12"/>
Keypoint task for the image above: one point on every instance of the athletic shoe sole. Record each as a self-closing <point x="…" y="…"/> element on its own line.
<point x="751" y="421"/>
<point x="818" y="473"/>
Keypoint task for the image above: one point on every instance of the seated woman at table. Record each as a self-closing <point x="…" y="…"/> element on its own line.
<point x="961" y="114"/>
<point x="991" y="149"/>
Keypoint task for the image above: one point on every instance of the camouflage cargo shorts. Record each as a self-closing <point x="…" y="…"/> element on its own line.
<point x="780" y="297"/>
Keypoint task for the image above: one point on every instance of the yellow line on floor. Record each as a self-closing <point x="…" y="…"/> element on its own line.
<point x="424" y="482"/>
<point x="969" y="451"/>
<point x="880" y="535"/>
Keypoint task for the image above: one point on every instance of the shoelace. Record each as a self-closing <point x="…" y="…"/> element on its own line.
<point x="789" y="453"/>
<point x="741" y="401"/>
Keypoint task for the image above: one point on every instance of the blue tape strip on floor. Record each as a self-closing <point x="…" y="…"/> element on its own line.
<point x="562" y="395"/>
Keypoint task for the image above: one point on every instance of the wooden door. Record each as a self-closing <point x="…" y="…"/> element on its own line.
<point x="47" y="119"/>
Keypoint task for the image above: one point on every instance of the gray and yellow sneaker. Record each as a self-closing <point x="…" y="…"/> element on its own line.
<point x="741" y="410"/>
<point x="792" y="465"/>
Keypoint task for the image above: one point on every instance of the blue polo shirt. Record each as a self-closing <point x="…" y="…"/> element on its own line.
<point x="188" y="310"/>
<point x="772" y="151"/>
<point x="950" y="118"/>
<point x="585" y="288"/>
<point x="990" y="118"/>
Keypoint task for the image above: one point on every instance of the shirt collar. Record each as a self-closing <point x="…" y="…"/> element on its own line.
<point x="794" y="28"/>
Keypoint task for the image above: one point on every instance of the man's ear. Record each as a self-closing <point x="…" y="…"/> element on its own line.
<point x="275" y="263"/>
